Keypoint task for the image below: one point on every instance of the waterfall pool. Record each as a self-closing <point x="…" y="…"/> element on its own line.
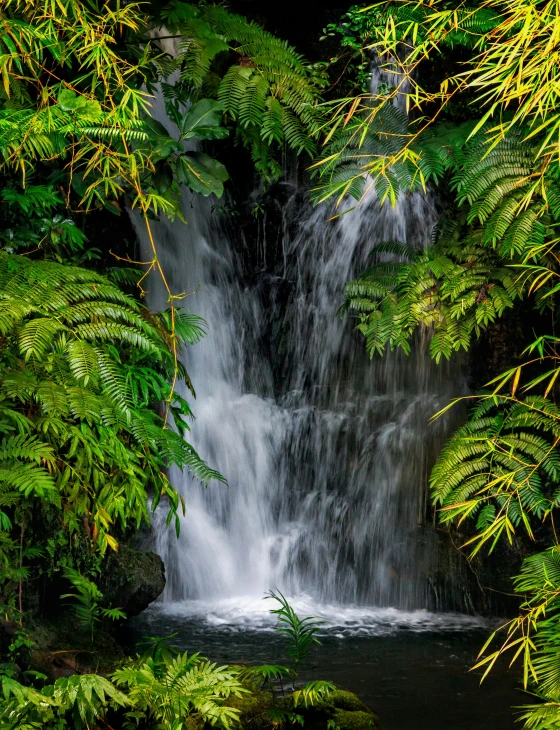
<point x="326" y="454"/>
<point x="411" y="667"/>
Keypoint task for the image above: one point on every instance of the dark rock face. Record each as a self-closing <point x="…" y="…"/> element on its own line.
<point x="132" y="580"/>
<point x="8" y="631"/>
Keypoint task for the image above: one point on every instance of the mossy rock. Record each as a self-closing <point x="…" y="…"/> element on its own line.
<point x="345" y="711"/>
<point x="343" y="700"/>
<point x="253" y="705"/>
<point x="132" y="579"/>
<point x="355" y="720"/>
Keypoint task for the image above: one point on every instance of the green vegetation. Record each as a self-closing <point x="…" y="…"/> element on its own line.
<point x="162" y="689"/>
<point x="482" y="133"/>
<point x="82" y="365"/>
<point x="91" y="417"/>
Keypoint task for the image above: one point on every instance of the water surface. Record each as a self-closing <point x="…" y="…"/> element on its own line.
<point x="411" y="667"/>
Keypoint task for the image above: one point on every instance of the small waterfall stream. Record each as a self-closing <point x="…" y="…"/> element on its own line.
<point x="326" y="452"/>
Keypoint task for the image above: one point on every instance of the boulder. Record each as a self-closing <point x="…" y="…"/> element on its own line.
<point x="340" y="710"/>
<point x="347" y="720"/>
<point x="132" y="580"/>
<point x="253" y="706"/>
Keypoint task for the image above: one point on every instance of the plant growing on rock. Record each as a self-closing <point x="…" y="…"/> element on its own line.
<point x="86" y="605"/>
<point x="301" y="635"/>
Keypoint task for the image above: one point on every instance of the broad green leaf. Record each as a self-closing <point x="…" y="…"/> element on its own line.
<point x="203" y="120"/>
<point x="69" y="101"/>
<point x="202" y="173"/>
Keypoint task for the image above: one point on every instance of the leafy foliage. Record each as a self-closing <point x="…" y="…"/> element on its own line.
<point x="456" y="288"/>
<point x="301" y="633"/>
<point x="268" y="91"/>
<point x="80" y="700"/>
<point x="533" y="636"/>
<point x="158" y="691"/>
<point x="83" y="366"/>
<point x="501" y="467"/>
<point x="511" y="66"/>
<point x="164" y="690"/>
<point x="494" y="64"/>
<point x="86" y="602"/>
<point x="96" y="122"/>
<point x="482" y="261"/>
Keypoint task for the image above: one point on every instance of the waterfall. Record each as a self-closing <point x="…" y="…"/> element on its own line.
<point x="326" y="452"/>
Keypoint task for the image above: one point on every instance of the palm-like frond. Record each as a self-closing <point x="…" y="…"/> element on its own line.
<point x="268" y="90"/>
<point x="84" y="366"/>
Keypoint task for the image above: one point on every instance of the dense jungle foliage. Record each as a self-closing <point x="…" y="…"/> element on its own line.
<point x="84" y="362"/>
<point x="90" y="414"/>
<point x="479" y="127"/>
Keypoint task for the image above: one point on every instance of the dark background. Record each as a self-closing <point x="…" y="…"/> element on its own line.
<point x="301" y="23"/>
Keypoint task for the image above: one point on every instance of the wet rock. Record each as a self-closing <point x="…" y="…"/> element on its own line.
<point x="132" y="580"/>
<point x="341" y="710"/>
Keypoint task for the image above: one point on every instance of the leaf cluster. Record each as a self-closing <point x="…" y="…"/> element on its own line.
<point x="83" y="367"/>
<point x="269" y="93"/>
<point x="161" y="690"/>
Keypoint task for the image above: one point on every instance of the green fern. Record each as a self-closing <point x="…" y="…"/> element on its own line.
<point x="502" y="467"/>
<point x="268" y="90"/>
<point x="300" y="633"/>
<point x="80" y="700"/>
<point x="86" y="606"/>
<point x="166" y="689"/>
<point x="83" y="367"/>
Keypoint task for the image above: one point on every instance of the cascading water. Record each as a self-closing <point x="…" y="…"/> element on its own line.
<point x="325" y="452"/>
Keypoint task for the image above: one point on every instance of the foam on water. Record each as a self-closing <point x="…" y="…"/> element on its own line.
<point x="247" y="613"/>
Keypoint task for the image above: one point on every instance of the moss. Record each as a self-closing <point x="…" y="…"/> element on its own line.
<point x="343" y="700"/>
<point x="343" y="709"/>
<point x="252" y="705"/>
<point x="356" y="720"/>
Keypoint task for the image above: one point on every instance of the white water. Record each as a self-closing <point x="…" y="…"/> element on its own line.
<point x="325" y="452"/>
<point x="246" y="613"/>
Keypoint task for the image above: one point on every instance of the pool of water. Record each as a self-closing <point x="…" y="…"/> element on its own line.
<point x="413" y="668"/>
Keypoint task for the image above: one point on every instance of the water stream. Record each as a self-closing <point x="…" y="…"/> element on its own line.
<point x="325" y="452"/>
